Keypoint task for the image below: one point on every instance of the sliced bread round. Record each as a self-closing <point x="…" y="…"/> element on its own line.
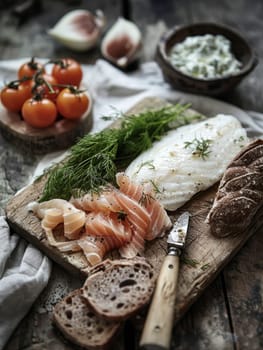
<point x="79" y="324"/>
<point x="120" y="290"/>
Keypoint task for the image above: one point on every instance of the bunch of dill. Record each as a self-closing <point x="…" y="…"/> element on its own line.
<point x="95" y="159"/>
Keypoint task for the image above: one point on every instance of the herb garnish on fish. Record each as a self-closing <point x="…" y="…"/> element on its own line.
<point x="199" y="147"/>
<point x="94" y="160"/>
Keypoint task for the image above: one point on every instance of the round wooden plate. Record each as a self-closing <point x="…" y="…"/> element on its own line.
<point x="59" y="136"/>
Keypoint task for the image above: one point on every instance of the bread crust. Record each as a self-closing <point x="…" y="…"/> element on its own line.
<point x="74" y="318"/>
<point x="240" y="193"/>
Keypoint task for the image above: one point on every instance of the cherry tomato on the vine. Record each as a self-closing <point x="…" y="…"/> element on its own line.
<point x="15" y="94"/>
<point x="39" y="113"/>
<point x="28" y="69"/>
<point x="67" y="71"/>
<point x="46" y="86"/>
<point x="72" y="104"/>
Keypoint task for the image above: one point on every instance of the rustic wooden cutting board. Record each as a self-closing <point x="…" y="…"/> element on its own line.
<point x="203" y="258"/>
<point x="59" y="136"/>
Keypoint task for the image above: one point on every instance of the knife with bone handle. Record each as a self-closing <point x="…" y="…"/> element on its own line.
<point x="159" y="322"/>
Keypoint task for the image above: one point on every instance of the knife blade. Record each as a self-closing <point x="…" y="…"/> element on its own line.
<point x="158" y="326"/>
<point x="177" y="235"/>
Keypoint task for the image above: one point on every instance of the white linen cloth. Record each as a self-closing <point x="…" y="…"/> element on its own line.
<point x="24" y="271"/>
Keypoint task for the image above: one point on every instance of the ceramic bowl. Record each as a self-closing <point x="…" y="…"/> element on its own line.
<point x="213" y="87"/>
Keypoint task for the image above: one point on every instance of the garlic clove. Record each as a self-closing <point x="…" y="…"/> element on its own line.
<point x="121" y="43"/>
<point x="79" y="29"/>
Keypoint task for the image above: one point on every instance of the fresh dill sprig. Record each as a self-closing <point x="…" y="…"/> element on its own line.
<point x="155" y="187"/>
<point x="145" y="199"/>
<point x="149" y="165"/>
<point x="89" y="166"/>
<point x="199" y="147"/>
<point x="189" y="262"/>
<point x="205" y="267"/>
<point x="95" y="159"/>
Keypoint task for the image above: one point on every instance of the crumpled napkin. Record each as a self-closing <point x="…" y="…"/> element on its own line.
<point x="114" y="90"/>
<point x="24" y="271"/>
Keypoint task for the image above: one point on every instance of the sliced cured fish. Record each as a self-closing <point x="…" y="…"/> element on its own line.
<point x="57" y="211"/>
<point x="145" y="195"/>
<point x="117" y="218"/>
<point x="95" y="247"/>
<point x="106" y="225"/>
<point x="103" y="201"/>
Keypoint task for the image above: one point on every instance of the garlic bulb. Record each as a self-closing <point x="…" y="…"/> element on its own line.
<point x="79" y="29"/>
<point x="122" y="43"/>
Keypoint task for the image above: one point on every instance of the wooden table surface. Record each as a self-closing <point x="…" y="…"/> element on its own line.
<point x="229" y="314"/>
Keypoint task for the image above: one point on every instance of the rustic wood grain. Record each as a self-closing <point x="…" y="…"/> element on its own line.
<point x="204" y="326"/>
<point x="207" y="324"/>
<point x="203" y="331"/>
<point x="25" y="38"/>
<point x="16" y="168"/>
<point x="204" y="255"/>
<point x="63" y="134"/>
<point x="243" y="282"/>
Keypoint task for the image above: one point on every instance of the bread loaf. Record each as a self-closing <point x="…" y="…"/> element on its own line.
<point x="79" y="324"/>
<point x="121" y="289"/>
<point x="240" y="193"/>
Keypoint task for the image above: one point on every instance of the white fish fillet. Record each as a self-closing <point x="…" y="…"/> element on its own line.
<point x="177" y="173"/>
